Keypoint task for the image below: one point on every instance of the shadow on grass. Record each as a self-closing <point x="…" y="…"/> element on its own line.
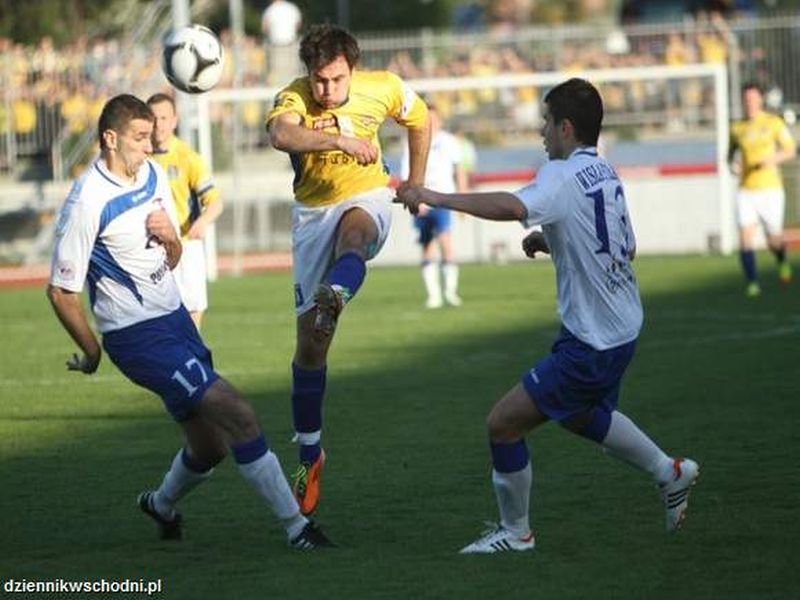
<point x="407" y="481"/>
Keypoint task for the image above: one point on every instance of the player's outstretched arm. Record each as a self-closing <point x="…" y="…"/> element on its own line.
<point x="69" y="311"/>
<point x="493" y="206"/>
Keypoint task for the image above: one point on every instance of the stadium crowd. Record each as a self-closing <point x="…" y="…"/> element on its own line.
<point x="53" y="94"/>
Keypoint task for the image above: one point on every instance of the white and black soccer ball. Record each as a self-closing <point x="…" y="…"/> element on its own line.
<point x="192" y="59"/>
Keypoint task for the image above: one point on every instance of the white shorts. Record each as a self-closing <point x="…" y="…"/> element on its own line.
<point x="314" y="239"/>
<point x="764" y="206"/>
<point x="190" y="275"/>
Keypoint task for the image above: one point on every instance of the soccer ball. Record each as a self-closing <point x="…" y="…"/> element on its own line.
<point x="192" y="59"/>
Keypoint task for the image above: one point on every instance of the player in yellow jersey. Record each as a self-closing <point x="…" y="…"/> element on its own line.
<point x="758" y="145"/>
<point x="196" y="199"/>
<point x="328" y="122"/>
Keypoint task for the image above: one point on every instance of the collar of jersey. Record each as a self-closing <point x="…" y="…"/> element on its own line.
<point x="584" y="150"/>
<point x="101" y="167"/>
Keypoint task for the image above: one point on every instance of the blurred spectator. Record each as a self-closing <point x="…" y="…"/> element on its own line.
<point x="469" y="16"/>
<point x="75" y="111"/>
<point x="280" y="24"/>
<point x="524" y="100"/>
<point x="24" y="112"/>
<point x="713" y="42"/>
<point x="501" y="16"/>
<point x="677" y="54"/>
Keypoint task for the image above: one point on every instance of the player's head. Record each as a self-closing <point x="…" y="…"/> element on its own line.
<point x="124" y="129"/>
<point x="163" y="107"/>
<point x="573" y="116"/>
<point x="752" y="98"/>
<point x="330" y="54"/>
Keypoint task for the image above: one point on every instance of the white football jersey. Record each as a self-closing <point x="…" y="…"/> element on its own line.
<point x="443" y="158"/>
<point x="580" y="204"/>
<point x="101" y="239"/>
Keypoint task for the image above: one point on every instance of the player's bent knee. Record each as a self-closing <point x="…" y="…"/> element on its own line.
<point x="500" y="429"/>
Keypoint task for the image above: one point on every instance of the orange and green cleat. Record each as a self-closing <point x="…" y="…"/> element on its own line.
<point x="306" y="484"/>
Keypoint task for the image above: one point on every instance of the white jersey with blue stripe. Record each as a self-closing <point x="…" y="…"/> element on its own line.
<point x="580" y="204"/>
<point x="102" y="240"/>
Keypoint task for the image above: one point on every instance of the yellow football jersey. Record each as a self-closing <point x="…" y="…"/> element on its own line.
<point x="191" y="183"/>
<point x="328" y="177"/>
<point x="758" y="140"/>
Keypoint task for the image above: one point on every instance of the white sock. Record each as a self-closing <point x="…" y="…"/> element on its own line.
<point x="177" y="482"/>
<point x="450" y="272"/>
<point x="308" y="439"/>
<point x="513" y="493"/>
<point x="430" y="275"/>
<point x="625" y="441"/>
<point x="266" y="475"/>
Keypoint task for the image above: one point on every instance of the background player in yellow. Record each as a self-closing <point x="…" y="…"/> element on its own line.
<point x="758" y="145"/>
<point x="328" y="122"/>
<point x="196" y="200"/>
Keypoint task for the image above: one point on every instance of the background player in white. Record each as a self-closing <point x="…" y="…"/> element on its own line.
<point x="117" y="232"/>
<point x="579" y="201"/>
<point x="445" y="173"/>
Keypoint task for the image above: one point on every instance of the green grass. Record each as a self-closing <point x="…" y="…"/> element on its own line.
<point x="407" y="482"/>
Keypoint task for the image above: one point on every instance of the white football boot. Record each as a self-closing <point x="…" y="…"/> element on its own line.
<point x="675" y="493"/>
<point x="500" y="539"/>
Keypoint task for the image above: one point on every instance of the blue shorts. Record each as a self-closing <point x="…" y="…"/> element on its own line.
<point x="575" y="378"/>
<point x="435" y="221"/>
<point x="167" y="356"/>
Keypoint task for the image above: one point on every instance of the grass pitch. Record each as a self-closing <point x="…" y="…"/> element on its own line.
<point x="716" y="377"/>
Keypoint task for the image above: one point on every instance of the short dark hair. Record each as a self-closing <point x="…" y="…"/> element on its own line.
<point x="119" y="112"/>
<point x="752" y="85"/>
<point x="325" y="43"/>
<point x="159" y="98"/>
<point x="580" y="102"/>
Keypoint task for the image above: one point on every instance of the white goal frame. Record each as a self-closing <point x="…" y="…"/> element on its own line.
<point x="714" y="72"/>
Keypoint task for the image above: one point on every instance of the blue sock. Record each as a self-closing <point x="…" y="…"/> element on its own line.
<point x="509" y="458"/>
<point x="308" y="389"/>
<point x="597" y="429"/>
<point x="780" y="254"/>
<point x="247" y="452"/>
<point x="348" y="273"/>
<point x="748" y="259"/>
